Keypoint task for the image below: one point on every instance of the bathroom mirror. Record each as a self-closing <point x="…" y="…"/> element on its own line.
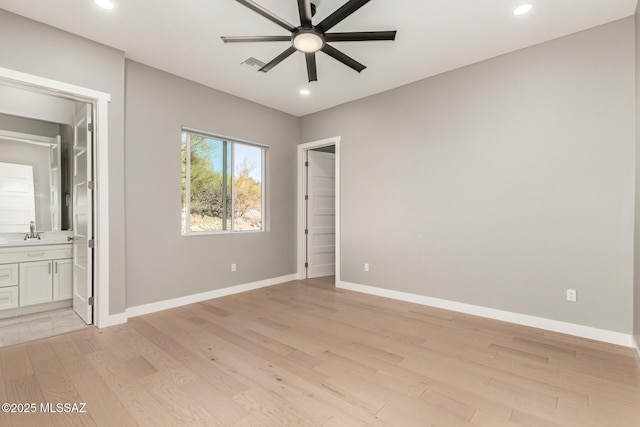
<point x="35" y="174"/>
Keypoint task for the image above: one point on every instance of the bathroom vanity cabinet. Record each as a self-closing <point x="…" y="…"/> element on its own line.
<point x="35" y="274"/>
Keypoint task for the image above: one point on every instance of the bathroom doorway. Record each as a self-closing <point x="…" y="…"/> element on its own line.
<point x="56" y="290"/>
<point x="40" y="186"/>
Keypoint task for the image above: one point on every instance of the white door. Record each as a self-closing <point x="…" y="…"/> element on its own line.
<point x="82" y="216"/>
<point x="321" y="214"/>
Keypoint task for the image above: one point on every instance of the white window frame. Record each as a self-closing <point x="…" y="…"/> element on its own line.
<point x="264" y="149"/>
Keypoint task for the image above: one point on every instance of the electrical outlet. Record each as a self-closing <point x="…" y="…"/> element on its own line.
<point x="366" y="266"/>
<point x="233" y="267"/>
<point x="572" y="295"/>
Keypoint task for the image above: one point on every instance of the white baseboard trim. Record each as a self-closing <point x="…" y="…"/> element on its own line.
<point x="190" y="299"/>
<point x="505" y="316"/>
<point x="636" y="345"/>
<point x="113" y="320"/>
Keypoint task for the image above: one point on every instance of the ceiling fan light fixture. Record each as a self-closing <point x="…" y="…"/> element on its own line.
<point x="308" y="41"/>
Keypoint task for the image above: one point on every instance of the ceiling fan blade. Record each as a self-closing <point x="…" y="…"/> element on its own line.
<point x="347" y="9"/>
<point x="244" y="39"/>
<point x="346" y="60"/>
<point x="360" y="36"/>
<point x="312" y="71"/>
<point x="278" y="59"/>
<point x="267" y="14"/>
<point x="304" y="7"/>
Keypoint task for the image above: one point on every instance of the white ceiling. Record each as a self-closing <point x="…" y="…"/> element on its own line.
<point x="434" y="36"/>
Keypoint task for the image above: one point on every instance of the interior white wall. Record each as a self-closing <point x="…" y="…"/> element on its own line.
<point x="500" y="184"/>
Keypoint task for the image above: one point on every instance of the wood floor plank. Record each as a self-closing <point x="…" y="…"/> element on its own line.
<point x="5" y="417"/>
<point x="15" y="364"/>
<point x="218" y="405"/>
<point x="218" y="378"/>
<point x="140" y="403"/>
<point x="26" y="390"/>
<point x="487" y="419"/>
<point x="56" y="385"/>
<point x="69" y="355"/>
<point x="180" y="405"/>
<point x="102" y="403"/>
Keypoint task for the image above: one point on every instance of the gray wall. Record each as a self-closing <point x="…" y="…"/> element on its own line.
<point x="23" y="125"/>
<point x="26" y="103"/>
<point x="35" y="48"/>
<point x="160" y="263"/>
<point x="500" y="184"/>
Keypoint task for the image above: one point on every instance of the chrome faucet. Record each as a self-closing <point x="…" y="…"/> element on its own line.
<point x="32" y="234"/>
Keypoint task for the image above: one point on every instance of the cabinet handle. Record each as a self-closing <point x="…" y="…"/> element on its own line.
<point x="56" y="267"/>
<point x="49" y="268"/>
<point x="7" y="298"/>
<point x="35" y="254"/>
<point x="2" y="276"/>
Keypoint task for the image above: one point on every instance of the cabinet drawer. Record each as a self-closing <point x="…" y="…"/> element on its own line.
<point x="8" y="297"/>
<point x="34" y="253"/>
<point x="8" y="275"/>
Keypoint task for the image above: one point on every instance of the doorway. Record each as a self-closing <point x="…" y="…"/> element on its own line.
<point x="320" y="212"/>
<point x="319" y="209"/>
<point x="44" y="170"/>
<point x="89" y="198"/>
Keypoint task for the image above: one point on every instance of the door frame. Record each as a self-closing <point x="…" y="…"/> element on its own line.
<point x="302" y="185"/>
<point x="100" y="102"/>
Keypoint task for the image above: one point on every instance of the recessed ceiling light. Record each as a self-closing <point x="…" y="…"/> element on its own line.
<point x="105" y="4"/>
<point x="521" y="10"/>
<point x="305" y="91"/>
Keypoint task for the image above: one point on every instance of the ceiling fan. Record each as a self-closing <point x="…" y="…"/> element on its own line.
<point x="309" y="38"/>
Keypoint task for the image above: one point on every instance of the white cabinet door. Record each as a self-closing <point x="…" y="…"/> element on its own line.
<point x="62" y="279"/>
<point x="35" y="283"/>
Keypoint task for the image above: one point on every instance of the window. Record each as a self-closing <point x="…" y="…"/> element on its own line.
<point x="223" y="185"/>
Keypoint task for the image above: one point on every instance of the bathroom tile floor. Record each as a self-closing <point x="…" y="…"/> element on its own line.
<point x="39" y="325"/>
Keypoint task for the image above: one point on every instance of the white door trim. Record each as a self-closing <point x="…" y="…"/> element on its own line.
<point x="302" y="149"/>
<point x="100" y="101"/>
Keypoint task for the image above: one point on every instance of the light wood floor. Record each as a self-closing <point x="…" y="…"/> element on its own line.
<point x="306" y="354"/>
